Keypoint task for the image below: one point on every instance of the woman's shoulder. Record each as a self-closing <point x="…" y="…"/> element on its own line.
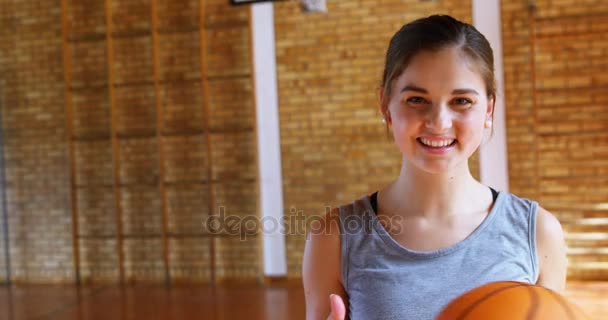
<point x="357" y="207"/>
<point x="516" y="202"/>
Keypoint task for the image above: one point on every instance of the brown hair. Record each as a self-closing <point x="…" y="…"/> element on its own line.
<point x="433" y="33"/>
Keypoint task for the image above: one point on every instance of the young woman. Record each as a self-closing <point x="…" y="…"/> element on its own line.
<point x="434" y="232"/>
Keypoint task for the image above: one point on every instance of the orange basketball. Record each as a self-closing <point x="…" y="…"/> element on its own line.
<point x="513" y="301"/>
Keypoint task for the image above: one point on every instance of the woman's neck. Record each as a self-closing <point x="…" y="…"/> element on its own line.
<point x="418" y="193"/>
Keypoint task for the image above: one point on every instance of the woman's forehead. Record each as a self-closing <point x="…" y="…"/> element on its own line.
<point x="448" y="68"/>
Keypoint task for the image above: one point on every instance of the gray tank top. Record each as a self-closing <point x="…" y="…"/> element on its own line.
<point x="385" y="280"/>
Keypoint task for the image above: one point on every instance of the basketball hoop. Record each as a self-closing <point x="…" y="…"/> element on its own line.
<point x="314" y="5"/>
<point x="307" y="5"/>
<point x="241" y="2"/>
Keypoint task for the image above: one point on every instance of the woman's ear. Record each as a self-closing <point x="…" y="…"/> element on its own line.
<point x="386" y="116"/>
<point x="380" y="93"/>
<point x="490" y="108"/>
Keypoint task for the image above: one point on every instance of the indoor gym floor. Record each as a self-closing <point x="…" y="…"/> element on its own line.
<point x="50" y="302"/>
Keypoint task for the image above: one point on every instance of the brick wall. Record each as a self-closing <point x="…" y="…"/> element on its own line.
<point x="35" y="144"/>
<point x="519" y="99"/>
<point x="7" y="40"/>
<point x="124" y="102"/>
<point x="555" y="75"/>
<point x="334" y="147"/>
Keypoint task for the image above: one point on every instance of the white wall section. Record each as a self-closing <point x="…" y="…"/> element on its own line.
<point x="268" y="139"/>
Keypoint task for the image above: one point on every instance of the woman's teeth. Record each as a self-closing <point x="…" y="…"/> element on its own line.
<point x="436" y="143"/>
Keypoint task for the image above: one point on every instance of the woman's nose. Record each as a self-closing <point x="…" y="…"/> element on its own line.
<point x="439" y="119"/>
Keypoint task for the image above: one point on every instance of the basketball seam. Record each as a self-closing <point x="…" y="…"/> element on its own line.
<point x="563" y="303"/>
<point x="533" y="302"/>
<point x="487" y="296"/>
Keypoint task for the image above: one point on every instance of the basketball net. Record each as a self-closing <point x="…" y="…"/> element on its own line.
<point x="314" y="5"/>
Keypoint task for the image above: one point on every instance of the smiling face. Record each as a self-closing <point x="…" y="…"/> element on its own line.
<point x="438" y="110"/>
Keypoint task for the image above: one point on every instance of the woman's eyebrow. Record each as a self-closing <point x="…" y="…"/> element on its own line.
<point x="410" y="87"/>
<point x="465" y="91"/>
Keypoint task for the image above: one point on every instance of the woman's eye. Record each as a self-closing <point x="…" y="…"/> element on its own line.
<point x="462" y="102"/>
<point x="416" y="100"/>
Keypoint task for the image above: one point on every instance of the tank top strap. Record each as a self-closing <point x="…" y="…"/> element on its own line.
<point x="373" y="198"/>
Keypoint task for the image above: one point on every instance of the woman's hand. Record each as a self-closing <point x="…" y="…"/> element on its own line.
<point x="338" y="309"/>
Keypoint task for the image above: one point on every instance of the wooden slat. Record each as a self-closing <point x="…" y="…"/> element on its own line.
<point x="574" y="242"/>
<point x="588" y="251"/>
<point x="114" y="138"/>
<point x="71" y="161"/>
<point x="261" y="275"/>
<point x="561" y="17"/>
<point x="190" y="29"/>
<point x="592" y="259"/>
<point x="536" y="145"/>
<point x="586" y="232"/>
<point x="588" y="225"/>
<point x="205" y="102"/>
<point x="578" y="206"/>
<point x="600" y="236"/>
<point x="159" y="138"/>
<point x="131" y="33"/>
<point x="597" y="265"/>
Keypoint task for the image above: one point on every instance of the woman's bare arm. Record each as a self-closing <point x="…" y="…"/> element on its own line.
<point x="321" y="268"/>
<point x="551" y="249"/>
